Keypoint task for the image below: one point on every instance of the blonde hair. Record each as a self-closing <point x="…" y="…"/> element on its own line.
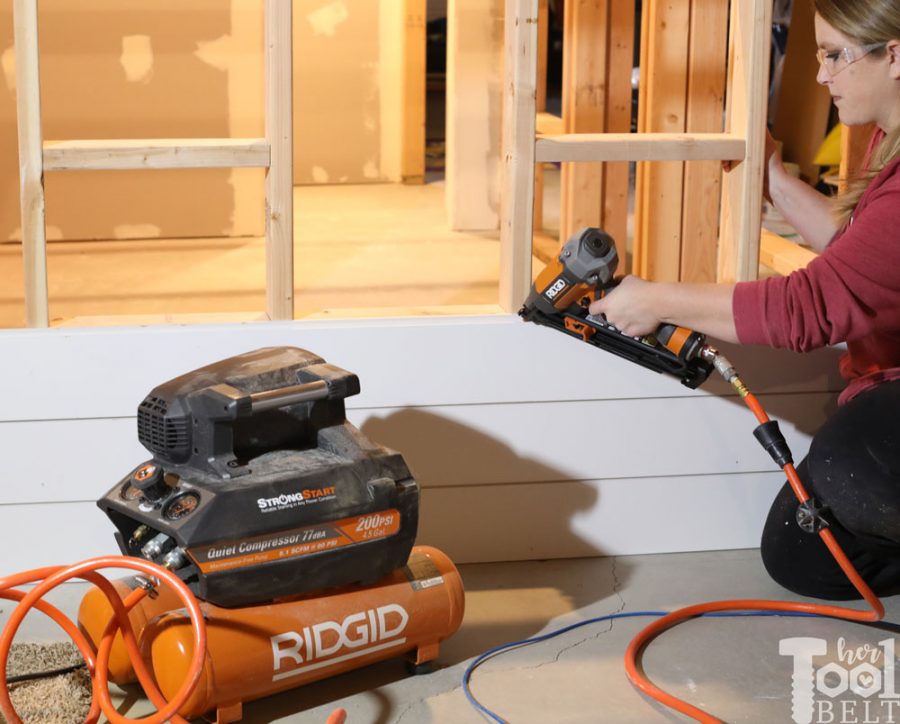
<point x="865" y="21"/>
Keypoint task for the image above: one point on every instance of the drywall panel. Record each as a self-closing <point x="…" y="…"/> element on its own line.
<point x="141" y="69"/>
<point x="474" y="110"/>
<point x="349" y="90"/>
<point x="105" y="372"/>
<point x="492" y="523"/>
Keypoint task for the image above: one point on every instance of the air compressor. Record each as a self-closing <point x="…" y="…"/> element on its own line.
<point x="294" y="530"/>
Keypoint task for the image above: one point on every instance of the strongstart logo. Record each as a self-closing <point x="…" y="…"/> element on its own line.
<point x="842" y="684"/>
<point x="286" y="501"/>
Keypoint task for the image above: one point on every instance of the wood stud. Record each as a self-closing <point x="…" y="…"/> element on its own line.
<point x="517" y="202"/>
<point x="583" y="109"/>
<point x="707" y="58"/>
<point x="31" y="169"/>
<point x="741" y="209"/>
<point x="743" y="141"/>
<point x="663" y="97"/>
<point x="675" y="70"/>
<point x="273" y="153"/>
<point x="280" y="175"/>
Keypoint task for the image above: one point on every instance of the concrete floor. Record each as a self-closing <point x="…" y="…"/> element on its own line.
<point x="730" y="667"/>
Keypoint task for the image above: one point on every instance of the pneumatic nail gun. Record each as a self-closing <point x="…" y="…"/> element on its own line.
<point x="583" y="272"/>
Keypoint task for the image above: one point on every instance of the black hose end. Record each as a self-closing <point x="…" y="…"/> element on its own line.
<point x="773" y="442"/>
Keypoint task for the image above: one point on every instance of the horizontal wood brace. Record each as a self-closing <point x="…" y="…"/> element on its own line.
<point x="783" y="255"/>
<point x="156" y="153"/>
<point x="639" y="147"/>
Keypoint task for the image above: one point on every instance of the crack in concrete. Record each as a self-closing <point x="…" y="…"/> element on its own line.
<point x="426" y="698"/>
<point x="404" y="712"/>
<point x="617" y="585"/>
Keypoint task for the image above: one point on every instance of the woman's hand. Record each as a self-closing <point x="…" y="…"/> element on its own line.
<point x="774" y="166"/>
<point x="630" y="307"/>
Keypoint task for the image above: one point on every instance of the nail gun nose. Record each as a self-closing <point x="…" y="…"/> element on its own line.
<point x="598" y="243"/>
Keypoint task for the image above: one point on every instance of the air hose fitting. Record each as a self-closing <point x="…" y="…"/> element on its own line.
<point x="810" y="517"/>
<point x="723" y="366"/>
<point x="767" y="433"/>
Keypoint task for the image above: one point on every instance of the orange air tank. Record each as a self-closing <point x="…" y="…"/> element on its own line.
<point x="256" y="651"/>
<point x="94" y="613"/>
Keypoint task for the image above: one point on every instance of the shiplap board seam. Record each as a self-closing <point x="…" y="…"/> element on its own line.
<point x="53" y="502"/>
<point x="502" y="445"/>
<point x="609" y="479"/>
<point x="448" y="486"/>
<point x="713" y="518"/>
<point x="698" y="394"/>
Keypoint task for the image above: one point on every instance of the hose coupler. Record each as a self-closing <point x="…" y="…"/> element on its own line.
<point x="724" y="367"/>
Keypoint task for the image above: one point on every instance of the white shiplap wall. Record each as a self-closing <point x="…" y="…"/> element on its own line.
<point x="527" y="443"/>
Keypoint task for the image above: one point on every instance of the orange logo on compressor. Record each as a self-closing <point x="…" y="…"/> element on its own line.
<point x="317" y="492"/>
<point x="291" y="500"/>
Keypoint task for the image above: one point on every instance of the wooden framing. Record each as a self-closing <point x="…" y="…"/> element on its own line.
<point x="741" y="220"/>
<point x="31" y="162"/>
<point x="640" y="147"/>
<point x="273" y="153"/>
<point x="801" y="117"/>
<point x="742" y="141"/>
<point x="114" y="154"/>
<point x="620" y="61"/>
<point x="598" y="49"/>
<point x="705" y="105"/>
<point x="517" y="203"/>
<point x="781" y="255"/>
<point x="280" y="174"/>
<point x="540" y="104"/>
<point x="583" y="110"/>
<point x="662" y="100"/>
<point x="682" y="90"/>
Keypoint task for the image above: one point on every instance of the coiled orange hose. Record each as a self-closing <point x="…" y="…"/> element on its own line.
<point x="647" y="634"/>
<point x="49" y="578"/>
<point x="98" y="664"/>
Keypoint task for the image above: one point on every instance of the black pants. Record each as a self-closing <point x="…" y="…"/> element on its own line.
<point x="853" y="468"/>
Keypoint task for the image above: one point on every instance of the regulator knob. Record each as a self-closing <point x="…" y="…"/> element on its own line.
<point x="150" y="480"/>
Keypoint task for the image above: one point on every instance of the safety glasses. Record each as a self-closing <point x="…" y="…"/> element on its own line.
<point x="838" y="59"/>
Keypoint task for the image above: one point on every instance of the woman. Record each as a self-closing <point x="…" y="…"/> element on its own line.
<point x="850" y="293"/>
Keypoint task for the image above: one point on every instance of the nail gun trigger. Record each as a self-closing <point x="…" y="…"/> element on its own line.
<point x="589" y="298"/>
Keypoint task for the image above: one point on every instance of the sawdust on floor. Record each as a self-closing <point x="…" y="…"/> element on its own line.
<point x="61" y="699"/>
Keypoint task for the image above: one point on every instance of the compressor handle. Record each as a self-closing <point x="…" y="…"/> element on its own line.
<point x="272" y="399"/>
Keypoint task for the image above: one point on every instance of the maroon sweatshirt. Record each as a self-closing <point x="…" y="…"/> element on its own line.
<point x="849" y="293"/>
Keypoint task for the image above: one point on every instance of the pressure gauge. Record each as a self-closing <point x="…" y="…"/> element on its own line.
<point x="130" y="492"/>
<point x="181" y="506"/>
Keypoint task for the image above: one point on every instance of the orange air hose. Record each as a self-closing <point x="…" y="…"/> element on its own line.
<point x="49" y="578"/>
<point x="636" y="676"/>
<point x="98" y="663"/>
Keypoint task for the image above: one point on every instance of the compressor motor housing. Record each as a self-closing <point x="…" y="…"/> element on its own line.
<point x="259" y="488"/>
